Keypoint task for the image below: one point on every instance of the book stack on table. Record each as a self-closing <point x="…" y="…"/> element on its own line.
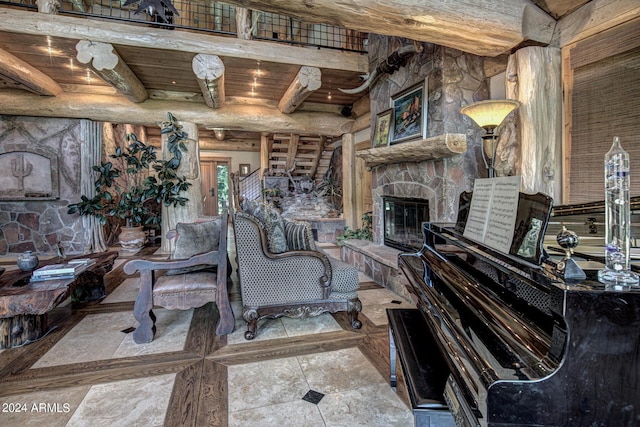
<point x="62" y="271"/>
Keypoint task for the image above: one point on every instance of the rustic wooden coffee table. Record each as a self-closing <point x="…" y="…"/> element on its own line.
<point x="24" y="305"/>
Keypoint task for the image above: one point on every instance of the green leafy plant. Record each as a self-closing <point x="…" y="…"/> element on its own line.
<point x="135" y="201"/>
<point x="272" y="192"/>
<point x="332" y="189"/>
<point x="273" y="195"/>
<point x="363" y="233"/>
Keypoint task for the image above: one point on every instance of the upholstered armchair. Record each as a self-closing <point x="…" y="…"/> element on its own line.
<point x="283" y="274"/>
<point x="196" y="275"/>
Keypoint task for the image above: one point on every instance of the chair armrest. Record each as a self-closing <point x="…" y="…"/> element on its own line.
<point x="210" y="258"/>
<point x="303" y="257"/>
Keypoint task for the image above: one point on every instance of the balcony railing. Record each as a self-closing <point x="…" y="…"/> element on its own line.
<point x="217" y="18"/>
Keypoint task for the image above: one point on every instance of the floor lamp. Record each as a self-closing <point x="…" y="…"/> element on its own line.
<point x="488" y="115"/>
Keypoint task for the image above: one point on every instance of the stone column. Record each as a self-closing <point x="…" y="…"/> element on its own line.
<point x="189" y="167"/>
<point x="90" y="155"/>
<point x="534" y="78"/>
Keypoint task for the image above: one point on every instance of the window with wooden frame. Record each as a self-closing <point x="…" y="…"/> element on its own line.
<point x="602" y="100"/>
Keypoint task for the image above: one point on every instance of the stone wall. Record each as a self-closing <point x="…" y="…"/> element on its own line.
<point x="39" y="224"/>
<point x="453" y="79"/>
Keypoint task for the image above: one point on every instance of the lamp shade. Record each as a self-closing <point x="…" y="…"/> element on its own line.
<point x="490" y="113"/>
<point x="219" y="134"/>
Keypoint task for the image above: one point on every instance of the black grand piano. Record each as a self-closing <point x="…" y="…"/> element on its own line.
<point x="518" y="344"/>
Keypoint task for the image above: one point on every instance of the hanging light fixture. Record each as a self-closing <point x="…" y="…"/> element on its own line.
<point x="219" y="134"/>
<point x="489" y="115"/>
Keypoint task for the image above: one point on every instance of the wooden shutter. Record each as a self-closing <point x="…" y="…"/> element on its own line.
<point x="605" y="102"/>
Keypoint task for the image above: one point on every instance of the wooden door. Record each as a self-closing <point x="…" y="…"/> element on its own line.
<point x="215" y="184"/>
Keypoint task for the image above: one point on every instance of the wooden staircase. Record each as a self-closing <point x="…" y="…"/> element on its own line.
<point x="301" y="155"/>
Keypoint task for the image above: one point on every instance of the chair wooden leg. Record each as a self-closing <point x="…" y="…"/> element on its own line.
<point x="226" y="322"/>
<point x="251" y="330"/>
<point x="146" y="330"/>
<point x="354" y="308"/>
<point x="142" y="310"/>
<point x="251" y="317"/>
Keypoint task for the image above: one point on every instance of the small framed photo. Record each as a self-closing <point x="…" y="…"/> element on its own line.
<point x="409" y="114"/>
<point x="245" y="169"/>
<point x="381" y="131"/>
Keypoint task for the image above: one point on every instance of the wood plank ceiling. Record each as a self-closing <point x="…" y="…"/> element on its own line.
<point x="170" y="70"/>
<point x="167" y="73"/>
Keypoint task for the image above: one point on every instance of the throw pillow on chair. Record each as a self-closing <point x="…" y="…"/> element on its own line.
<point x="194" y="239"/>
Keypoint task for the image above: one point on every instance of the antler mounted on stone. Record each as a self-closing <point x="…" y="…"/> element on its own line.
<point x="396" y="60"/>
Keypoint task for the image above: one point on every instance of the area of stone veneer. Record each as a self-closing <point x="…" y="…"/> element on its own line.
<point x="380" y="263"/>
<point x="454" y="79"/>
<point x="39" y="225"/>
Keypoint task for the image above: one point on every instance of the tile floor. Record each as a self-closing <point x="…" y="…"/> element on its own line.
<point x="346" y="388"/>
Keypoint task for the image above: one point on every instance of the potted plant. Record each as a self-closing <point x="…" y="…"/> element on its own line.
<point x="136" y="193"/>
<point x="331" y="189"/>
<point x="364" y="233"/>
<point x="273" y="195"/>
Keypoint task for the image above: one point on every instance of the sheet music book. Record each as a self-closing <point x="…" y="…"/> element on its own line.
<point x="493" y="211"/>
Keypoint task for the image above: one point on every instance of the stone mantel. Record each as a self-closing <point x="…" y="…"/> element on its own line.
<point x="436" y="147"/>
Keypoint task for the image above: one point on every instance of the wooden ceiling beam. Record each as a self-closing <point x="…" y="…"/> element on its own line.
<point x="209" y="71"/>
<point x="361" y="123"/>
<point x="152" y="112"/>
<point x="212" y="144"/>
<point x="23" y="22"/>
<point x="361" y="107"/>
<point x="230" y="144"/>
<point x="16" y="70"/>
<point x="307" y="81"/>
<point x="106" y="63"/>
<point x="486" y="28"/>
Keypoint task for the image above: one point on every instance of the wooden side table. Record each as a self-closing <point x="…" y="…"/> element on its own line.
<point x="24" y="305"/>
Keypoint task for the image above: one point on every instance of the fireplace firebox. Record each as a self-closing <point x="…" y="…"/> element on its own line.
<point x="403" y="218"/>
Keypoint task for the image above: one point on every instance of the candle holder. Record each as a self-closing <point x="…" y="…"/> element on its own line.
<point x="568" y="267"/>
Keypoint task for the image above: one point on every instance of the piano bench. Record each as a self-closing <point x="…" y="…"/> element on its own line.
<point x="424" y="369"/>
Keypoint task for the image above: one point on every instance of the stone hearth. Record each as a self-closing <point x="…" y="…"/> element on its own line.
<point x="326" y="230"/>
<point x="378" y="262"/>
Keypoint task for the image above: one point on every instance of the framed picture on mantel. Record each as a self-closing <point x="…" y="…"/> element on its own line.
<point x="381" y="131"/>
<point x="409" y="111"/>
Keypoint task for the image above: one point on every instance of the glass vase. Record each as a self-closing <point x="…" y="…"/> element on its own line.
<point x="617" y="219"/>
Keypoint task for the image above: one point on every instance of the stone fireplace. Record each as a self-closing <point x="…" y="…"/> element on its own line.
<point x="403" y="218"/>
<point x="424" y="173"/>
<point x="40" y="174"/>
